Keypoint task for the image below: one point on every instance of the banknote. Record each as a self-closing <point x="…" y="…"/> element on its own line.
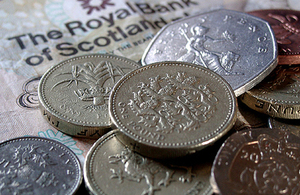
<point x="35" y="35"/>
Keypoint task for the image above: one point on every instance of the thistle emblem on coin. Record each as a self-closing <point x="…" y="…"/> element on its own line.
<point x="173" y="103"/>
<point x="95" y="76"/>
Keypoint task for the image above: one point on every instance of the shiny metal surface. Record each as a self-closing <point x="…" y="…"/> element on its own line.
<point x="258" y="161"/>
<point x="293" y="126"/>
<point x="74" y="93"/>
<point x="286" y="26"/>
<point x="170" y="109"/>
<point x="278" y="95"/>
<point x="111" y="168"/>
<point x="238" y="46"/>
<point x="35" y="165"/>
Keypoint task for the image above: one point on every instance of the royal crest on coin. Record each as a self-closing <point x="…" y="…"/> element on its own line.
<point x="95" y="76"/>
<point x="173" y="103"/>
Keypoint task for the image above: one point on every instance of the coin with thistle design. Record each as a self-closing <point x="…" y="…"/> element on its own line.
<point x="74" y="93"/>
<point x="173" y="107"/>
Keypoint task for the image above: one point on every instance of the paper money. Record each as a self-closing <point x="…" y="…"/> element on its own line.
<point x="35" y="35"/>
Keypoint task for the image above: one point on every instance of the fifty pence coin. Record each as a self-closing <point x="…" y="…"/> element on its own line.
<point x="286" y="124"/>
<point x="238" y="46"/>
<point x="35" y="165"/>
<point x="278" y="95"/>
<point x="286" y="26"/>
<point x="170" y="109"/>
<point x="74" y="93"/>
<point x="258" y="161"/>
<point x="112" y="168"/>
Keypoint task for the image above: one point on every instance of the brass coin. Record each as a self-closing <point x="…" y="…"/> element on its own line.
<point x="74" y="93"/>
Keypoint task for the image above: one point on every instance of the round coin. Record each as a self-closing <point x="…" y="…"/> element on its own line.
<point x="257" y="161"/>
<point x="35" y="165"/>
<point x="238" y="46"/>
<point x="286" y="26"/>
<point x="112" y="168"/>
<point x="74" y="93"/>
<point x="278" y="94"/>
<point x="170" y="109"/>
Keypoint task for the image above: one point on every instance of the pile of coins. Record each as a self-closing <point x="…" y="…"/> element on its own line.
<point x="166" y="126"/>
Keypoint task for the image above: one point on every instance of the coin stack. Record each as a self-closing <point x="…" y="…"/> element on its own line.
<point x="173" y="124"/>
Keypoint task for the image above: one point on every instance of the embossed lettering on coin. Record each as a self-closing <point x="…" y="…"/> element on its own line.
<point x="258" y="161"/>
<point x="172" y="105"/>
<point x="238" y="46"/>
<point x="33" y="165"/>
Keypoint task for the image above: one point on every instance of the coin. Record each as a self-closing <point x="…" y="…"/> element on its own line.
<point x="278" y="95"/>
<point x="238" y="46"/>
<point x="35" y="165"/>
<point x="258" y="161"/>
<point x="112" y="168"/>
<point x="74" y="93"/>
<point x="286" y="26"/>
<point x="170" y="109"/>
<point x="286" y="124"/>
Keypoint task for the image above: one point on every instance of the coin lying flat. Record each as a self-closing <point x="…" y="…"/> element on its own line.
<point x="34" y="165"/>
<point x="240" y="47"/>
<point x="258" y="161"/>
<point x="111" y="168"/>
<point x="74" y="93"/>
<point x="170" y="109"/>
<point x="278" y="94"/>
<point x="290" y="125"/>
<point x="286" y="26"/>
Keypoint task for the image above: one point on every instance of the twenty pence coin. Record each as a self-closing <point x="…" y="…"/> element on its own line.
<point x="35" y="165"/>
<point x="111" y="169"/>
<point x="74" y="93"/>
<point x="240" y="47"/>
<point x="170" y="109"/>
<point x="278" y="95"/>
<point x="257" y="161"/>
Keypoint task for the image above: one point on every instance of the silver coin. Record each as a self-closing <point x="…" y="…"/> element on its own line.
<point x="170" y="109"/>
<point x="74" y="93"/>
<point x="240" y="47"/>
<point x="112" y="168"/>
<point x="286" y="124"/>
<point x="258" y="161"/>
<point x="34" y="165"/>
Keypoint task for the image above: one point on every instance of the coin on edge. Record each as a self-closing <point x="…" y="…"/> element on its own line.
<point x="112" y="168"/>
<point x="257" y="161"/>
<point x="74" y="93"/>
<point x="278" y="95"/>
<point x="170" y="109"/>
<point x="238" y="46"/>
<point x="35" y="165"/>
<point x="286" y="26"/>
<point x="286" y="124"/>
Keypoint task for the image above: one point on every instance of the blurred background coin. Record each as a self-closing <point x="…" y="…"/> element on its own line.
<point x="238" y="46"/>
<point x="35" y="165"/>
<point x="74" y="93"/>
<point x="170" y="109"/>
<point x="286" y="124"/>
<point x="278" y="95"/>
<point x="257" y="161"/>
<point x="112" y="168"/>
<point x="286" y="26"/>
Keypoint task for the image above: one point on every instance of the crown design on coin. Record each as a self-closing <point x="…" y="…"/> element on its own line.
<point x="173" y="103"/>
<point x="96" y="76"/>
